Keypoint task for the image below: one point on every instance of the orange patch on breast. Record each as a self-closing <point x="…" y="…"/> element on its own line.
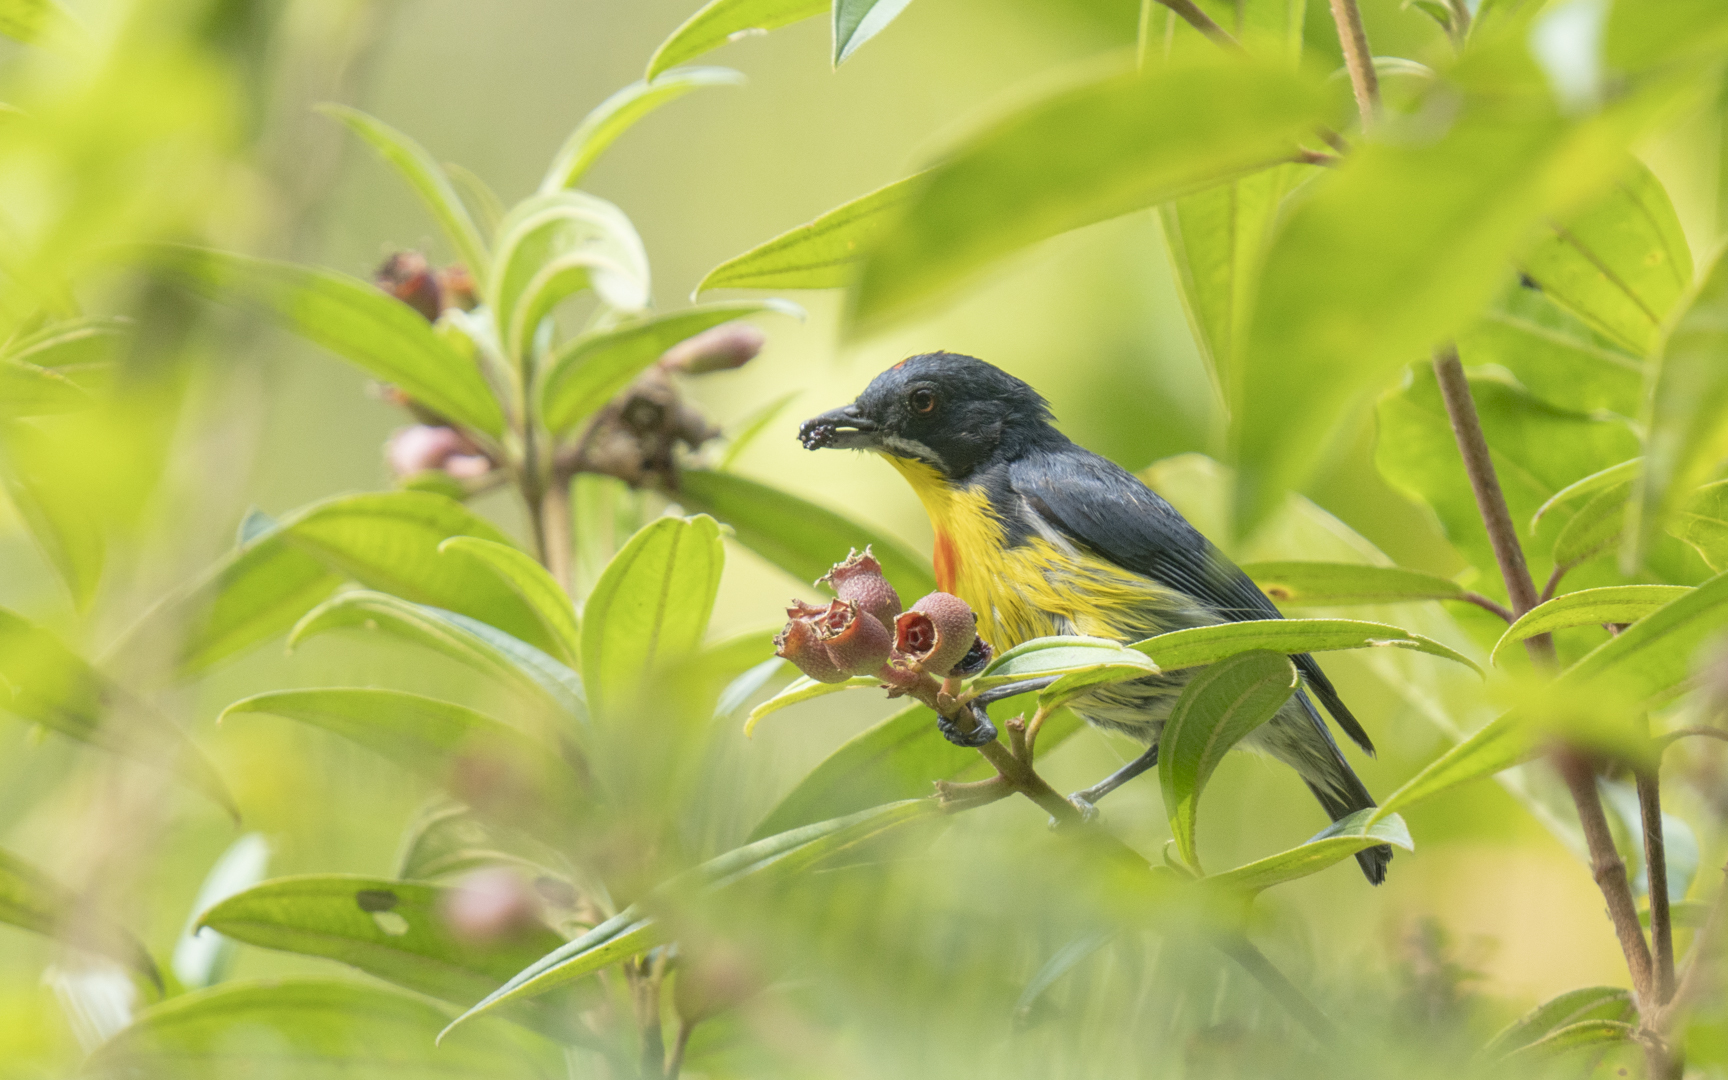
<point x="946" y="559"/>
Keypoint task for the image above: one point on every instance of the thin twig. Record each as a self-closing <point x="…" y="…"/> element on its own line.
<point x="1665" y="741"/>
<point x="1316" y="157"/>
<point x="1244" y="952"/>
<point x="1358" y="59"/>
<point x="1202" y="22"/>
<point x="1656" y="871"/>
<point x="1553" y="583"/>
<point x="675" y="1063"/>
<point x="1609" y="871"/>
<point x="555" y="525"/>
<point x="1488" y="605"/>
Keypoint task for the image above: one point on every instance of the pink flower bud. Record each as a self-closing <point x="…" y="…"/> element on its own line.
<point x="415" y="449"/>
<point x="801" y="644"/>
<point x="722" y="348"/>
<point x="490" y="904"/>
<point x="859" y="579"/>
<point x="936" y="634"/>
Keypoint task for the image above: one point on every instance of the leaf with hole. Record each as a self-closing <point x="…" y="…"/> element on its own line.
<point x="584" y="374"/>
<point x="721" y="21"/>
<point x="1588" y="607"/>
<point x="317" y="1029"/>
<point x="798" y="536"/>
<point x="423" y="174"/>
<point x="649" y="609"/>
<point x="353" y="319"/>
<point x="1219" y="707"/>
<point x="618" y="113"/>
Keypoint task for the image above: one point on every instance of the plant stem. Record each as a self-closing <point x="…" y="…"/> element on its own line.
<point x="1357" y="59"/>
<point x="1610" y="872"/>
<point x="1490" y="500"/>
<point x="1656" y="871"/>
<point x="1491" y="606"/>
<point x="1244" y="952"/>
<point x="675" y="1063"/>
<point x="555" y="528"/>
<point x="1202" y="22"/>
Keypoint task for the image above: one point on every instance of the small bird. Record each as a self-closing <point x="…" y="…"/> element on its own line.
<point x="1043" y="537"/>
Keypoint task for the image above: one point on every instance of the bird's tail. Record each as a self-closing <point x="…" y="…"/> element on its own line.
<point x="1343" y="800"/>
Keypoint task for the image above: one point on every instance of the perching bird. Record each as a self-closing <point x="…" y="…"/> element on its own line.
<point x="1042" y="537"/>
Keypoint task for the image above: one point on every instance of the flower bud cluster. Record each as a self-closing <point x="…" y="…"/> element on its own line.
<point x="408" y="277"/>
<point x="865" y="631"/>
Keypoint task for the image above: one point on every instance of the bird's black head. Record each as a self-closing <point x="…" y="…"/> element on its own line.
<point x="949" y="411"/>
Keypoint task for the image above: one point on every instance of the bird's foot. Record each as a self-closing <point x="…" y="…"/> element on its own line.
<point x="1079" y="801"/>
<point x="983" y="731"/>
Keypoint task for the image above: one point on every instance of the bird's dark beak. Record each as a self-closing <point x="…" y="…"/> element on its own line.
<point x="844" y="428"/>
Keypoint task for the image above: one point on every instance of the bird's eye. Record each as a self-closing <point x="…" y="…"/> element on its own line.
<point x="922" y="400"/>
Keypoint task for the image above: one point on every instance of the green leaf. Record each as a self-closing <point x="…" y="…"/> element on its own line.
<point x="44" y="682"/>
<point x="631" y="931"/>
<point x="1218" y="240"/>
<point x="485" y="762"/>
<point x="1591" y="484"/>
<point x="353" y="319"/>
<point x="1620" y="264"/>
<point x="1219" y="707"/>
<point x="649" y="609"/>
<point x="1317" y="584"/>
<point x="1399" y="248"/>
<point x="897" y="758"/>
<point x="1554" y="354"/>
<point x="799" y="537"/>
<point x="32" y="21"/>
<point x="28" y="390"/>
<point x="31" y="899"/>
<point x="1596" y="526"/>
<point x="801" y="689"/>
<point x="1342" y="839"/>
<point x="1537" y="450"/>
<point x="1676" y="31"/>
<point x="826" y="253"/>
<point x="70" y="345"/>
<point x="1702" y="521"/>
<point x="314" y="1029"/>
<point x="587" y="372"/>
<point x="424" y="175"/>
<point x="721" y="21"/>
<point x="552" y="246"/>
<point x="202" y="960"/>
<point x="857" y="21"/>
<point x="518" y="572"/>
<point x="511" y="663"/>
<point x="1577" y="1036"/>
<point x="391" y="929"/>
<point x="1060" y="655"/>
<point x="618" y="113"/>
<point x="1572" y="1007"/>
<point x="1588" y="607"/>
<point x="1686" y="412"/>
<point x="1205" y="644"/>
<point x="64" y="518"/>
<point x="1100" y="150"/>
<point x="478" y="196"/>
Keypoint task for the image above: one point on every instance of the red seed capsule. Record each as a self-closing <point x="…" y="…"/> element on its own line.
<point x="801" y="642"/>
<point x="859" y="579"/>
<point x="937" y="633"/>
<point x="857" y="642"/>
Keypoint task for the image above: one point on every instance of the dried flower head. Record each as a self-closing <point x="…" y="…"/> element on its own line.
<point x="936" y="634"/>
<point x="833" y="642"/>
<point x="860" y="580"/>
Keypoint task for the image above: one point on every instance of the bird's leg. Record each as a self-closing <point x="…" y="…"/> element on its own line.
<point x="1086" y="801"/>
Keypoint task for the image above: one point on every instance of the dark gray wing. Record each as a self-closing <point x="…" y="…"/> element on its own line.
<point x="1103" y="507"/>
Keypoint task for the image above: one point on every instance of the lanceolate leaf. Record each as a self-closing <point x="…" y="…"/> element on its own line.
<point x="1589" y="607"/>
<point x="70" y="346"/>
<point x="727" y="20"/>
<point x="391" y="929"/>
<point x="484" y="762"/>
<point x="1554" y="354"/>
<point x="857" y="21"/>
<point x="356" y="321"/>
<point x="28" y="390"/>
<point x="317" y="1029"/>
<point x="631" y="931"/>
<point x="529" y="580"/>
<point x="33" y="21"/>
<point x="424" y="175"/>
<point x="1315" y="584"/>
<point x="65" y="521"/>
<point x="802" y="689"/>
<point x="1574" y="1006"/>
<point x="1575" y="1036"/>
<point x="799" y="537"/>
<point x="614" y="116"/>
<point x="1702" y="521"/>
<point x="586" y="373"/>
<point x="826" y="253"/>
<point x="1596" y="481"/>
<point x="1120" y="143"/>
<point x="1620" y="264"/>
<point x="1060" y="656"/>
<point x="1219" y="707"/>
<point x="650" y="608"/>
<point x="31" y="899"/>
<point x="1205" y="644"/>
<point x="1595" y="527"/>
<point x="513" y="664"/>
<point x="1687" y="410"/>
<point x="43" y="681"/>
<point x="1342" y="839"/>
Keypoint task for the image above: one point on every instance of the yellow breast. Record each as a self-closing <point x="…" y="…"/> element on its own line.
<point x="1035" y="588"/>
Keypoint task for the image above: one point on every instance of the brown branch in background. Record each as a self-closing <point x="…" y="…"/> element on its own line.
<point x="1609" y="871"/>
<point x="1490" y="500"/>
<point x="1357" y="59"/>
<point x="1656" y="872"/>
<point x="1202" y="22"/>
<point x="1491" y="606"/>
<point x="556" y="526"/>
<point x="1553" y="584"/>
<point x="1672" y="737"/>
